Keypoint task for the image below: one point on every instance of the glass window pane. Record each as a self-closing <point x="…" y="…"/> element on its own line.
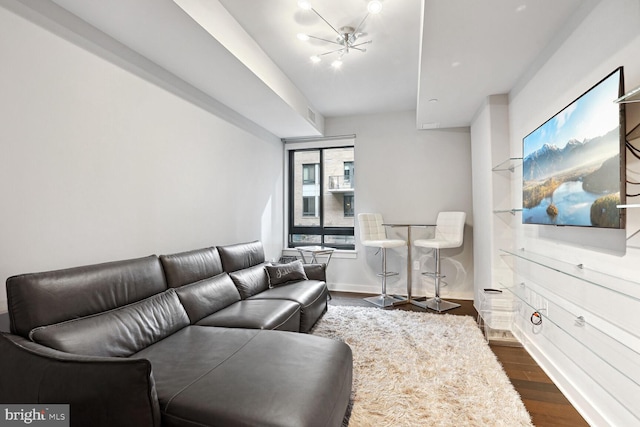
<point x="340" y="241"/>
<point x="303" y="239"/>
<point x="338" y="190"/>
<point x="306" y="188"/>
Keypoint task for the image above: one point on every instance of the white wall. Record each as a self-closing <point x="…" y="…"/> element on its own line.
<point x="491" y="191"/>
<point x="99" y="164"/>
<point x="597" y="365"/>
<point x="408" y="175"/>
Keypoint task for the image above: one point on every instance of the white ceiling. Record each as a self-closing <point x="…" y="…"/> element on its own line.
<point x="455" y="51"/>
<point x="385" y="78"/>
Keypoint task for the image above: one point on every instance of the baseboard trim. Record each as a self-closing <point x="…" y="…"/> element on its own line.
<point x="572" y="393"/>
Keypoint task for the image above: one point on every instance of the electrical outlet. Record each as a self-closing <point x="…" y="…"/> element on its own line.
<point x="416" y="265"/>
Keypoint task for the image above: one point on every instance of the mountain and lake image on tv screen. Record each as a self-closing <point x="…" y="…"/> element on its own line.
<point x="572" y="172"/>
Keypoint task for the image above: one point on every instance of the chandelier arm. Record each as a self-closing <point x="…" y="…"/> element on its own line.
<point x="355" y="46"/>
<point x="326" y="22"/>
<point x="360" y="25"/>
<point x="358" y="48"/>
<point x="331" y="51"/>
<point x="325" y="40"/>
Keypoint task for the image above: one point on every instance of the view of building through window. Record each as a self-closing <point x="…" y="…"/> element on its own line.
<point x="322" y="197"/>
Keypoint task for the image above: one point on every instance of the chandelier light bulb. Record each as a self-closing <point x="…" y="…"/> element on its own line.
<point x="374" y="6"/>
<point x="304" y="4"/>
<point x="303" y="37"/>
<point x="315" y="59"/>
<point x="336" y="64"/>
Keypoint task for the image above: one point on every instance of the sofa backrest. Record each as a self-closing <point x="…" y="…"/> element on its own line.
<point x="191" y="266"/>
<point x="251" y="281"/>
<point x="241" y="256"/>
<point x="39" y="299"/>
<point x="120" y="332"/>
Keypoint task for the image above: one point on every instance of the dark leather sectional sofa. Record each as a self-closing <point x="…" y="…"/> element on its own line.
<point x="198" y="338"/>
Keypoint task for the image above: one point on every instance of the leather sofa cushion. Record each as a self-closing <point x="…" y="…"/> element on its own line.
<point x="119" y="332"/>
<point x="80" y="291"/>
<point x="310" y="294"/>
<point x="207" y="296"/>
<point x="250" y="281"/>
<point x="191" y="266"/>
<point x="244" y="377"/>
<point x="274" y="314"/>
<point x="241" y="255"/>
<point x="283" y="273"/>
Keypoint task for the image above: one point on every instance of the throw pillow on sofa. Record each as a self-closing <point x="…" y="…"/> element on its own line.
<point x="283" y="273"/>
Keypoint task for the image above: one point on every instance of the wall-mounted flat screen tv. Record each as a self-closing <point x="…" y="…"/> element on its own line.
<point x="574" y="164"/>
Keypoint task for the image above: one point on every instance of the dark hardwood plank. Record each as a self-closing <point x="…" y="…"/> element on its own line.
<point x="544" y="401"/>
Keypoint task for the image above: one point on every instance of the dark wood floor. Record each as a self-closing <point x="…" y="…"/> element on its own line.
<point x="544" y="401"/>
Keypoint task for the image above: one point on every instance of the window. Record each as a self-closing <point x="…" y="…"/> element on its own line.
<point x="309" y="206"/>
<point x="309" y="173"/>
<point x="348" y="205"/>
<point x="321" y="197"/>
<point x="348" y="173"/>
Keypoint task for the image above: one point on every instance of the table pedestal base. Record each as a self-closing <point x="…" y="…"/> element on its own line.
<point x="386" y="301"/>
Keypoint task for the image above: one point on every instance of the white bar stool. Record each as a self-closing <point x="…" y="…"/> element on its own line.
<point x="449" y="234"/>
<point x="373" y="234"/>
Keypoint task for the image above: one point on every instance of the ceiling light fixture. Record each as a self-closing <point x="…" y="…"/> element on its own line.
<point x="347" y="37"/>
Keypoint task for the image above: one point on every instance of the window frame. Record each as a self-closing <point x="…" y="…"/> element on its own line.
<point x="290" y="228"/>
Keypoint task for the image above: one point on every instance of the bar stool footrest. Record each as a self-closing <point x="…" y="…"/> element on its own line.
<point x="387" y="274"/>
<point x="433" y="274"/>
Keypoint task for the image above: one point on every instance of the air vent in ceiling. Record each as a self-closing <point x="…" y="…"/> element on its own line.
<point x="433" y="125"/>
<point x="312" y="115"/>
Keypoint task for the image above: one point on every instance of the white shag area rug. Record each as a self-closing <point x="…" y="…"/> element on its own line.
<point x="422" y="369"/>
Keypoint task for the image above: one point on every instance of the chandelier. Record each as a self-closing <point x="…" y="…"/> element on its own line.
<point x="347" y="37"/>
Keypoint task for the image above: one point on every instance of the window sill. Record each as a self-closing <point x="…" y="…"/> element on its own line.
<point x="337" y="254"/>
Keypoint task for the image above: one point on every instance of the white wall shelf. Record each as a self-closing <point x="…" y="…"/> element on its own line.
<point x="508" y="165"/>
<point x="511" y="211"/>
<point x="578" y="334"/>
<point x="602" y="340"/>
<point x="624" y="287"/>
<point x="629" y="97"/>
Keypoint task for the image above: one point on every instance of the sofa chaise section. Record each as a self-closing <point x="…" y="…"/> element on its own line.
<point x="242" y="377"/>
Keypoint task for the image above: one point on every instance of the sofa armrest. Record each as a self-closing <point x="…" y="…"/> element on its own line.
<point x="100" y="391"/>
<point x="316" y="271"/>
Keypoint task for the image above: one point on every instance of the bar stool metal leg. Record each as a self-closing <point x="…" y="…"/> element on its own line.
<point x="384" y="300"/>
<point x="436" y="303"/>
